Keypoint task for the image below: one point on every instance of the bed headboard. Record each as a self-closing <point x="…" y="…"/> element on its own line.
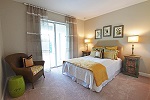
<point x="111" y="43"/>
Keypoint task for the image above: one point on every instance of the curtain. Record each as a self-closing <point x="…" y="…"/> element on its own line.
<point x="34" y="16"/>
<point x="46" y="44"/>
<point x="72" y="37"/>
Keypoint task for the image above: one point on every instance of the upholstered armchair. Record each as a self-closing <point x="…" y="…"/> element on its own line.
<point x="30" y="74"/>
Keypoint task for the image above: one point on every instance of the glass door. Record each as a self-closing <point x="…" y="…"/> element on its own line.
<point x="60" y="43"/>
<point x="53" y="41"/>
<point x="48" y="45"/>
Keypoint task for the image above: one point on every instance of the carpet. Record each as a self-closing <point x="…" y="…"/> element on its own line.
<point x="57" y="86"/>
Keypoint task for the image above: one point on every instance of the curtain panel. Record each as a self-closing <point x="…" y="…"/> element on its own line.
<point x="72" y="37"/>
<point x="34" y="17"/>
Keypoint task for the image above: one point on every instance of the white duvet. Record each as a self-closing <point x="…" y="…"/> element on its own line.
<point x="85" y="77"/>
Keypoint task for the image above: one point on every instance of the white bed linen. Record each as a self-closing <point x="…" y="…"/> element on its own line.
<point x="85" y="77"/>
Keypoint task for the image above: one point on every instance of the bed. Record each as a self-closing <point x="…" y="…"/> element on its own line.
<point x="85" y="77"/>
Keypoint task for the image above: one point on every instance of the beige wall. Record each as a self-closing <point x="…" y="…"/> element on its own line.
<point x="136" y="21"/>
<point x="14" y="26"/>
<point x="56" y="17"/>
<point x="1" y="55"/>
<point x="80" y="32"/>
<point x="2" y="67"/>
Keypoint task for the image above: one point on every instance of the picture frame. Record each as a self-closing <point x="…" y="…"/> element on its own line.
<point x="98" y="33"/>
<point x="118" y="31"/>
<point x="107" y="31"/>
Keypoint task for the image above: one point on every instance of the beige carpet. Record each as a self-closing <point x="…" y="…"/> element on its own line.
<point x="60" y="87"/>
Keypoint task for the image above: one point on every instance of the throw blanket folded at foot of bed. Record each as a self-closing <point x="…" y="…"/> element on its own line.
<point x="99" y="71"/>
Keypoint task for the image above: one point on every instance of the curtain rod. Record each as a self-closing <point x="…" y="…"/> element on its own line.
<point x="34" y="6"/>
<point x="60" y="13"/>
<point x="50" y="10"/>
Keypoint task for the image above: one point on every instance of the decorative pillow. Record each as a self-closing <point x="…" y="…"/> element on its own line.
<point x="98" y="54"/>
<point x="98" y="48"/>
<point x="102" y="53"/>
<point x="99" y="51"/>
<point x="92" y="53"/>
<point x="28" y="62"/>
<point x="112" y="48"/>
<point x="111" y="54"/>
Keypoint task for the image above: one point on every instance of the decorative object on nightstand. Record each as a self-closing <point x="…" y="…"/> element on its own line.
<point x="86" y="53"/>
<point x="86" y="41"/>
<point x="131" y="65"/>
<point x="133" y="39"/>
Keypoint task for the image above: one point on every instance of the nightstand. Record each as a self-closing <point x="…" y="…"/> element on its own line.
<point x="131" y="65"/>
<point x="86" y="53"/>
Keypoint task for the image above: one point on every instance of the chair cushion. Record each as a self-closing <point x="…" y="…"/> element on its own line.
<point x="28" y="62"/>
<point x="36" y="69"/>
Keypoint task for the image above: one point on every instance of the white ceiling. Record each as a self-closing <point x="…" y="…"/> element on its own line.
<point x="83" y="9"/>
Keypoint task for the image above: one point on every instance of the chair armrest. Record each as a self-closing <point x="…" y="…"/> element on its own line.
<point x="25" y="72"/>
<point x="39" y="63"/>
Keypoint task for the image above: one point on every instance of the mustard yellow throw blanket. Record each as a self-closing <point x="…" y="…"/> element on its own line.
<point x="99" y="71"/>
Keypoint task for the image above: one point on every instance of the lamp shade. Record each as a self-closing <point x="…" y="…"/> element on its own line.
<point x="87" y="40"/>
<point x="133" y="38"/>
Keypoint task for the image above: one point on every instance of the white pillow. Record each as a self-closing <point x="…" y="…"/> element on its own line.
<point x="92" y="53"/>
<point x="98" y="54"/>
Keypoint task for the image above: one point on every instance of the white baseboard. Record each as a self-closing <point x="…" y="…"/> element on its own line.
<point x="144" y="74"/>
<point x="4" y="89"/>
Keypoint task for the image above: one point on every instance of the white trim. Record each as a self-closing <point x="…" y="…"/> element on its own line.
<point x="4" y="89"/>
<point x="144" y="74"/>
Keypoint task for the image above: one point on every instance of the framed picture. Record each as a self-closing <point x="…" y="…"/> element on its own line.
<point x="118" y="31"/>
<point x="98" y="34"/>
<point x="107" y="31"/>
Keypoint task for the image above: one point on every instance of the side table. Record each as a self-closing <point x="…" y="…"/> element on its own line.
<point x="16" y="86"/>
<point x="131" y="65"/>
<point x="86" y="53"/>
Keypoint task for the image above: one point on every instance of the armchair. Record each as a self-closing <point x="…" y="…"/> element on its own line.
<point x="16" y="63"/>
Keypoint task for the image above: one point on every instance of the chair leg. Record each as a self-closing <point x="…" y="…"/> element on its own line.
<point x="43" y="75"/>
<point x="32" y="86"/>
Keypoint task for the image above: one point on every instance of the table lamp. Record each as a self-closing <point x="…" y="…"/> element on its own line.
<point x="86" y="41"/>
<point x="133" y="39"/>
